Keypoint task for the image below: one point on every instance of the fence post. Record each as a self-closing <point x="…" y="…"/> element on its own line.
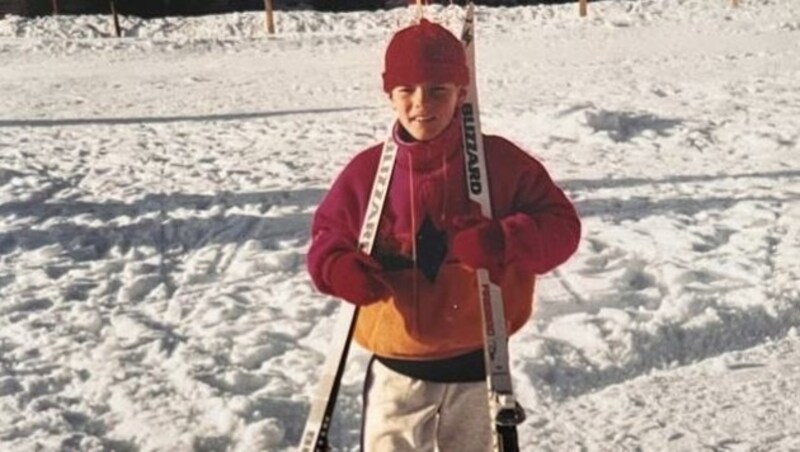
<point x="270" y="22"/>
<point x="55" y="7"/>
<point x="583" y="7"/>
<point x="117" y="32"/>
<point x="735" y="3"/>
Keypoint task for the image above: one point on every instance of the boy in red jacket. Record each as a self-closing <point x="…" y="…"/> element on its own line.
<point x="420" y="313"/>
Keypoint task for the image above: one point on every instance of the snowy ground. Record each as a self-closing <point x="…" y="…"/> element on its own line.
<point x="156" y="193"/>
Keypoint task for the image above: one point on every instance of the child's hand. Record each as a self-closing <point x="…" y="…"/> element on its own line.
<point x="481" y="244"/>
<point x="354" y="277"/>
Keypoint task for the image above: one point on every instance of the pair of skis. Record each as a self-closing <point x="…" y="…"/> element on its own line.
<point x="505" y="412"/>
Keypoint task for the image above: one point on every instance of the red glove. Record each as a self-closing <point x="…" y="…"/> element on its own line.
<point x="354" y="277"/>
<point x="481" y="244"/>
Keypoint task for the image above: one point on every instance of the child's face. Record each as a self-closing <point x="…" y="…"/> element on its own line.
<point x="425" y="110"/>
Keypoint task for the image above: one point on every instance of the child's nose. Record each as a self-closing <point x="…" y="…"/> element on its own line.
<point x="420" y="96"/>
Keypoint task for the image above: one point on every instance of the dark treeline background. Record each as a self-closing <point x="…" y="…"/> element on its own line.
<point x="157" y="8"/>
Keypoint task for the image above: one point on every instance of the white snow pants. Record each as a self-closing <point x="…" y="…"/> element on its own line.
<point x="405" y="414"/>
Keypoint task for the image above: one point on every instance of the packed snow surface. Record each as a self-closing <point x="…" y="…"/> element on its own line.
<point x="156" y="193"/>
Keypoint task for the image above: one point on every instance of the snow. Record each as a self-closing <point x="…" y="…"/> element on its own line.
<point x="156" y="193"/>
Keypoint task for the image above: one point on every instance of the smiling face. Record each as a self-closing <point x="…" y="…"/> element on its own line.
<point x="426" y="109"/>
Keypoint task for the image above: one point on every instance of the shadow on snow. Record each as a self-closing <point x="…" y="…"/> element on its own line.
<point x="83" y="242"/>
<point x="169" y="119"/>
<point x="596" y="184"/>
<point x="668" y="346"/>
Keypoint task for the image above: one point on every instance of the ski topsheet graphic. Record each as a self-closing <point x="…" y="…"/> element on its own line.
<point x="504" y="410"/>
<point x="315" y="434"/>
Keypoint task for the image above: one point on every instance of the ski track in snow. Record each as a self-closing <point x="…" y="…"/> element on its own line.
<point x="156" y="194"/>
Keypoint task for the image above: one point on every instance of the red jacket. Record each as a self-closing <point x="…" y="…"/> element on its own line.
<point x="439" y="319"/>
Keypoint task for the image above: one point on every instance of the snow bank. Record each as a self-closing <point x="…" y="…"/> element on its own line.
<point x="156" y="193"/>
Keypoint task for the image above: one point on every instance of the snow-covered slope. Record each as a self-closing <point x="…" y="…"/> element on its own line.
<point x="156" y="193"/>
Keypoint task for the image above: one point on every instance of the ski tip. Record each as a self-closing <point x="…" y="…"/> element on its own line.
<point x="420" y="11"/>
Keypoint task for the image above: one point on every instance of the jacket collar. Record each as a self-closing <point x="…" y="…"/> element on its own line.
<point x="428" y="155"/>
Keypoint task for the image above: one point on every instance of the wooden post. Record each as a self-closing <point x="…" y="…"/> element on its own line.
<point x="117" y="32"/>
<point x="269" y="21"/>
<point x="735" y="3"/>
<point x="419" y="10"/>
<point x="55" y="7"/>
<point x="583" y="7"/>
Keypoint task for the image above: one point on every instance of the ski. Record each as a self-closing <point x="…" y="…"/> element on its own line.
<point x="317" y="428"/>
<point x="504" y="410"/>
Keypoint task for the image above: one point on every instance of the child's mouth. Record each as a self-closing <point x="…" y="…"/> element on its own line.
<point x="424" y="119"/>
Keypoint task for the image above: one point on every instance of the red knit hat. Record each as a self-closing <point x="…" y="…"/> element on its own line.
<point x="425" y="52"/>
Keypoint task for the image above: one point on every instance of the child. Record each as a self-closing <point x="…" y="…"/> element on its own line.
<point x="420" y="313"/>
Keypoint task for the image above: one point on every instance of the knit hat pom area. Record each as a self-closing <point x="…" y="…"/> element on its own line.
<point x="424" y="52"/>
